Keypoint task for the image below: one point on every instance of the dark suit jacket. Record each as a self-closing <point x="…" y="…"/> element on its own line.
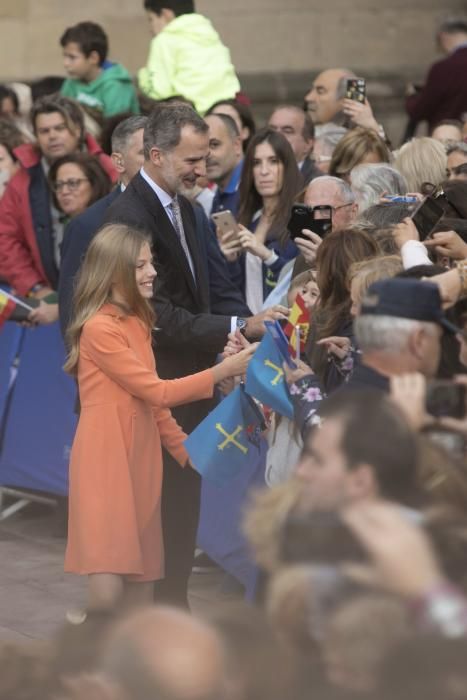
<point x="309" y="171"/>
<point x="444" y="95"/>
<point x="78" y="235"/>
<point x="188" y="336"/>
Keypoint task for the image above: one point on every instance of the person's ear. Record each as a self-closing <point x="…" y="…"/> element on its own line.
<point x="118" y="161"/>
<point x="167" y="14"/>
<point x="416" y="343"/>
<point x="94" y="58"/>
<point x="156" y="156"/>
<point x="238" y="146"/>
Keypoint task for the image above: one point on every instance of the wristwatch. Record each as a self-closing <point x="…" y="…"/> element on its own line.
<point x="241" y="325"/>
<point x="461" y="266"/>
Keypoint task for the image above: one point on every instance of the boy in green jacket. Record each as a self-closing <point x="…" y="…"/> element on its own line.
<point x="186" y="57"/>
<point x="93" y="80"/>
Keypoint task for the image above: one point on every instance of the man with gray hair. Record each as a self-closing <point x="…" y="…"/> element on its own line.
<point x="127" y="157"/>
<point x="330" y="192"/>
<point x="444" y="94"/>
<point x="371" y="181"/>
<point x="399" y="331"/>
<point x="188" y="336"/>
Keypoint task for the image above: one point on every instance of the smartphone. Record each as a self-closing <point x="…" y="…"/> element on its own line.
<point x="225" y="222"/>
<point x="356" y="89"/>
<point x="280" y="339"/>
<point x="444" y="398"/>
<point x="426" y="216"/>
<point x="400" y="199"/>
<point x="305" y="217"/>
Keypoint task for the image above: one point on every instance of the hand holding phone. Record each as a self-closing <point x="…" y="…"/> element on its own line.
<point x="225" y="222"/>
<point x="426" y="216"/>
<point x="303" y="217"/>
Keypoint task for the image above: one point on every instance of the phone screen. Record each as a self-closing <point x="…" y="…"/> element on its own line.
<point x="356" y="89"/>
<point x="305" y="217"/>
<point x="426" y="216"/>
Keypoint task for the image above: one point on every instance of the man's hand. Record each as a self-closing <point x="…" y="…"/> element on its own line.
<point x="403" y="561"/>
<point x="43" y="314"/>
<point x="255" y="327"/>
<point x="450" y="286"/>
<point x="405" y="231"/>
<point x="308" y="244"/>
<point x="360" y="114"/>
<point x="449" y="244"/>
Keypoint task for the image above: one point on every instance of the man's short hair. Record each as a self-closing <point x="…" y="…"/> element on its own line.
<point x="453" y="25"/>
<point x="164" y="126"/>
<point x="125" y="130"/>
<point x="389" y="334"/>
<point x="90" y="37"/>
<point x="375" y="433"/>
<point x="308" y="130"/>
<point x="69" y="109"/>
<point x="457" y="147"/>
<point x="178" y="7"/>
<point x="229" y="124"/>
<point x="345" y="191"/>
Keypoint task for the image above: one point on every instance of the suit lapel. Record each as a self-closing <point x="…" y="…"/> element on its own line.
<point x="167" y="231"/>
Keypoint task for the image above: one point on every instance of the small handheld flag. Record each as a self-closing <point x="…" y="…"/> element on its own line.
<point x="227" y="439"/>
<point x="265" y="378"/>
<point x="299" y="317"/>
<point x="7" y="306"/>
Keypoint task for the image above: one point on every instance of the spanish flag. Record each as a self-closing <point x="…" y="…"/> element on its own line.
<point x="7" y="306"/>
<point x="299" y="317"/>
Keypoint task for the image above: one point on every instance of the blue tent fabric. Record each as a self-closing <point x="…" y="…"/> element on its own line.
<point x="265" y="378"/>
<point x="219" y="531"/>
<point x="40" y="422"/>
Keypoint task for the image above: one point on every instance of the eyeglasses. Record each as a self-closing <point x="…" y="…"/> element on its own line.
<point x="72" y="184"/>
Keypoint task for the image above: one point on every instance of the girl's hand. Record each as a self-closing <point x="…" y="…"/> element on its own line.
<point x="250" y="244"/>
<point x="294" y="375"/>
<point x="308" y="245"/>
<point x="336" y="345"/>
<point x="230" y="245"/>
<point x="234" y="365"/>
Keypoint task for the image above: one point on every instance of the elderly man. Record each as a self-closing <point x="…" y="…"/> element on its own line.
<point x="297" y="127"/>
<point x="325" y="191"/>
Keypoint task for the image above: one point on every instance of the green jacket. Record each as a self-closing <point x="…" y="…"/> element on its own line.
<point x="110" y="93"/>
<point x="188" y="58"/>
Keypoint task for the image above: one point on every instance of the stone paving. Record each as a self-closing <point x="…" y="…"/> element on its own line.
<point x="35" y="593"/>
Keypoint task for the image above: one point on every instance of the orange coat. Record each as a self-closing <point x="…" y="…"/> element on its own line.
<point x="116" y="459"/>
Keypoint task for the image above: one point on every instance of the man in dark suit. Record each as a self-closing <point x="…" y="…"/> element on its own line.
<point x="298" y="129"/>
<point x="444" y="95"/>
<point x="188" y="337"/>
<point x="127" y="157"/>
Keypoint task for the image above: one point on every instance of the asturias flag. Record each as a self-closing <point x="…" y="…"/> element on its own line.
<point x="227" y="439"/>
<point x="265" y="378"/>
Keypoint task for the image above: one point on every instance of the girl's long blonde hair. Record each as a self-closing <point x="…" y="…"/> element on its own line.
<point x="111" y="259"/>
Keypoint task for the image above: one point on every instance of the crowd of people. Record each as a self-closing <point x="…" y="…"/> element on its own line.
<point x="152" y="219"/>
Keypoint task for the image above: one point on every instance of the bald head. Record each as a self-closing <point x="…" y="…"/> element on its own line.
<point x="324" y="100"/>
<point x="335" y="193"/>
<point x="165" y="653"/>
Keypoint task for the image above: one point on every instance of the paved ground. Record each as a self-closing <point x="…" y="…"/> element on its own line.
<point x="35" y="594"/>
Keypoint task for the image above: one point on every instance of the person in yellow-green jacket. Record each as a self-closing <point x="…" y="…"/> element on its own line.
<point x="93" y="80"/>
<point x="186" y="57"/>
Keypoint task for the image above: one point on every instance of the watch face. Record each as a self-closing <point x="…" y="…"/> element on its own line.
<point x="241" y="323"/>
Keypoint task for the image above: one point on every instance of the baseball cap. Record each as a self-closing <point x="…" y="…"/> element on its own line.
<point x="406" y="298"/>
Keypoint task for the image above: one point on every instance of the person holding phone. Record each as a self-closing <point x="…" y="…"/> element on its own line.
<point x="115" y="532"/>
<point x="261" y="246"/>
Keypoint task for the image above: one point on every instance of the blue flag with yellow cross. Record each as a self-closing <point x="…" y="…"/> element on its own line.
<point x="227" y="439"/>
<point x="265" y="378"/>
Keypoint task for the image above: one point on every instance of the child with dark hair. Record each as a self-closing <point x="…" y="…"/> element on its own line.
<point x="93" y="80"/>
<point x="186" y="57"/>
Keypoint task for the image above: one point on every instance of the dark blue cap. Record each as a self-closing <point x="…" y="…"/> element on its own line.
<point x="406" y="298"/>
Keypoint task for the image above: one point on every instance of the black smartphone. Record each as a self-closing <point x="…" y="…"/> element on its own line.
<point x="445" y="398"/>
<point x="356" y="89"/>
<point x="305" y="217"/>
<point x="426" y="216"/>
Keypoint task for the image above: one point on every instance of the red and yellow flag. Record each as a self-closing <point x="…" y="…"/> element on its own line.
<point x="299" y="317"/>
<point x="7" y="307"/>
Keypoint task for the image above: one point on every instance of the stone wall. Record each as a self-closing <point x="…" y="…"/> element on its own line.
<point x="276" y="45"/>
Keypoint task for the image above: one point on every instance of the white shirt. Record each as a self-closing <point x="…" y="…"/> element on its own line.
<point x="164" y="197"/>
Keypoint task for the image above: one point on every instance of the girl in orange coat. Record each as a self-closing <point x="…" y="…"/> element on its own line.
<point x="115" y="534"/>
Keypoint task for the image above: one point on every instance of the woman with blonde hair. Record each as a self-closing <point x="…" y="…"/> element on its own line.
<point x="115" y="535"/>
<point x="423" y="162"/>
<point x="357" y="147"/>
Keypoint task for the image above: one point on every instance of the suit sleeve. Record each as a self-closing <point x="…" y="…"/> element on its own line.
<point x="422" y="105"/>
<point x="75" y="244"/>
<point x="16" y="261"/>
<point x="105" y="343"/>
